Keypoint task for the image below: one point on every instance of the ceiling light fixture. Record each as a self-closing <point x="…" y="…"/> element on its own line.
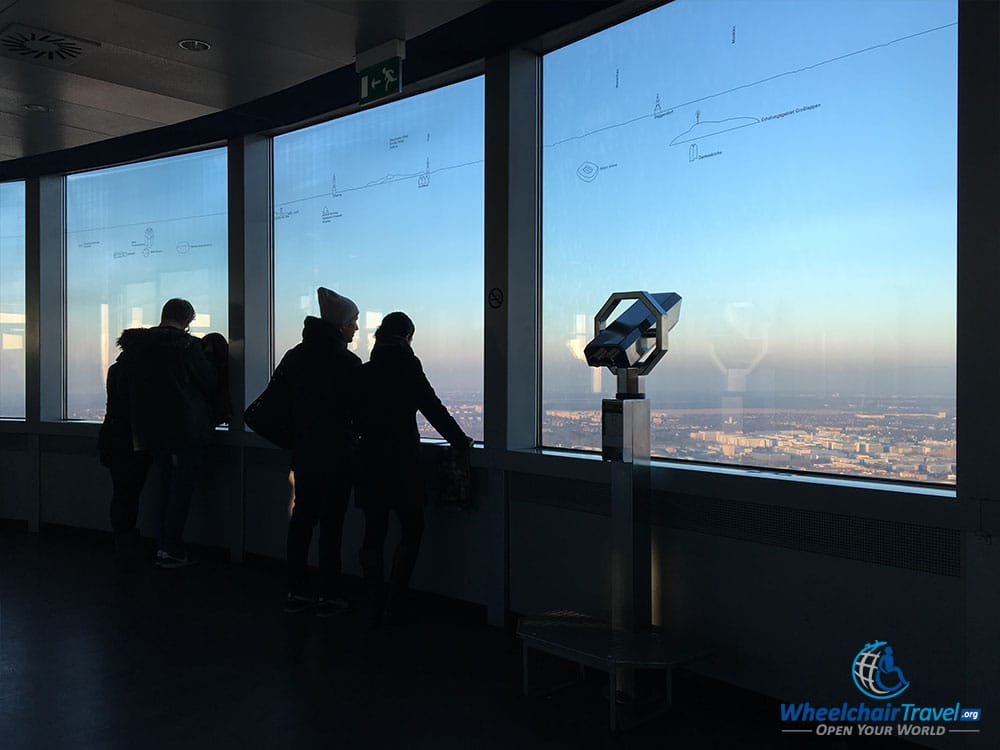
<point x="194" y="45"/>
<point x="37" y="108"/>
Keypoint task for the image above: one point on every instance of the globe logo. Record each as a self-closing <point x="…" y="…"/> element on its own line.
<point x="876" y="674"/>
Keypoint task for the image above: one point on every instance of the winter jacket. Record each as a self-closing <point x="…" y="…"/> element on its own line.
<point x="321" y="372"/>
<point x="170" y="385"/>
<point x="392" y="389"/>
<point x="220" y="406"/>
<point x="114" y="438"/>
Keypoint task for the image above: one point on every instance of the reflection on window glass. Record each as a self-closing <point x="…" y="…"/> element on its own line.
<point x="386" y="207"/>
<point x="136" y="236"/>
<point x="12" y="299"/>
<point x="790" y="171"/>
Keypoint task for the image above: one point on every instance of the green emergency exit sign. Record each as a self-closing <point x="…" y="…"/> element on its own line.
<point x="380" y="80"/>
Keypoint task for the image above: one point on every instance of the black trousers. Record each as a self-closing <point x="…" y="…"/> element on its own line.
<point x="404" y="560"/>
<point x="321" y="496"/>
<point x="128" y="475"/>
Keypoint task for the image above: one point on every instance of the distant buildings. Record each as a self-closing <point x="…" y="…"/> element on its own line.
<point x="916" y="446"/>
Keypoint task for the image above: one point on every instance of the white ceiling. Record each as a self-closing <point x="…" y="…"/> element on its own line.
<point x="115" y="66"/>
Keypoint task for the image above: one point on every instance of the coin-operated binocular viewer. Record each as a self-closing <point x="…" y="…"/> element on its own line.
<point x="630" y="347"/>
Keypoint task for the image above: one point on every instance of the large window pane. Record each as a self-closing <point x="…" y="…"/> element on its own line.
<point x="136" y="236"/>
<point x="386" y="207"/>
<point x="788" y="168"/>
<point x="12" y="299"/>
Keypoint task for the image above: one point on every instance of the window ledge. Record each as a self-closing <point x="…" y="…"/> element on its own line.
<point x="660" y="465"/>
<point x="811" y="479"/>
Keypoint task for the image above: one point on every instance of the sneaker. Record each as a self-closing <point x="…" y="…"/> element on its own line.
<point x="167" y="561"/>
<point x="295" y="603"/>
<point x="330" y="606"/>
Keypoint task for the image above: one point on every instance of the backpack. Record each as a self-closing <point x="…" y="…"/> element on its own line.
<point x="270" y="414"/>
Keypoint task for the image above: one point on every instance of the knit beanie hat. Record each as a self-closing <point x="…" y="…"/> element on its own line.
<point x="334" y="308"/>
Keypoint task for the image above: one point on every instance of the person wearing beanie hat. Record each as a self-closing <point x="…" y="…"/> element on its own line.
<point x="392" y="389"/>
<point x="320" y="374"/>
<point x="335" y="308"/>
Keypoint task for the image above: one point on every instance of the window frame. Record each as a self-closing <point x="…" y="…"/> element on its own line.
<point x="24" y="293"/>
<point x="708" y="470"/>
<point x="48" y="402"/>
<point x="454" y="77"/>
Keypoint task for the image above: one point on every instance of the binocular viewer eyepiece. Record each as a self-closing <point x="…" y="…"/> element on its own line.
<point x="637" y="338"/>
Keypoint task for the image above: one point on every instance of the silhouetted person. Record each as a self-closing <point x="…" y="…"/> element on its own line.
<point x="128" y="467"/>
<point x="321" y="372"/>
<point x="392" y="389"/>
<point x="216" y="349"/>
<point x="171" y="384"/>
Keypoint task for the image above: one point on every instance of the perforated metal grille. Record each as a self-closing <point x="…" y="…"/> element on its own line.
<point x="586" y="497"/>
<point x="900" y="545"/>
<point x="909" y="546"/>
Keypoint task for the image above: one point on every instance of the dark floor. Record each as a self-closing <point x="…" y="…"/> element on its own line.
<point x="204" y="657"/>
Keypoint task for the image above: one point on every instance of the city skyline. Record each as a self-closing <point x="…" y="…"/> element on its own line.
<point x="906" y="439"/>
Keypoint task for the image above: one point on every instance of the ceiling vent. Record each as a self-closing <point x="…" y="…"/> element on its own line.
<point x="27" y="43"/>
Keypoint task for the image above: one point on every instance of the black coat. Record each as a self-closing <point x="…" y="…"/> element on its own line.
<point x="321" y="373"/>
<point x="392" y="389"/>
<point x="170" y="385"/>
<point x="114" y="439"/>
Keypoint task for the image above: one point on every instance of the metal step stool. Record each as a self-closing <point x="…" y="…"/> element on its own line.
<point x="593" y="643"/>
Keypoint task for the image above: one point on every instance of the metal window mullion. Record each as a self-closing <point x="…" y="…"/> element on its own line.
<point x="250" y="304"/>
<point x="45" y="300"/>
<point x="250" y="268"/>
<point x="978" y="350"/>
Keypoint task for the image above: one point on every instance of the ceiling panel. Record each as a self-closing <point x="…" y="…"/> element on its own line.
<point x="303" y="29"/>
<point x="381" y="20"/>
<point x="37" y="84"/>
<point x="130" y="74"/>
<point x="95" y="119"/>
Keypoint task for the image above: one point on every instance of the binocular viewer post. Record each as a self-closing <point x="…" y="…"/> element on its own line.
<point x="630" y="347"/>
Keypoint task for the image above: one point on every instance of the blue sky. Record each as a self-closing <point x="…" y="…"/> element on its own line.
<point x="815" y="250"/>
<point x="824" y="238"/>
<point x="138" y="235"/>
<point x="11" y="299"/>
<point x="12" y="247"/>
<point x="404" y="231"/>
